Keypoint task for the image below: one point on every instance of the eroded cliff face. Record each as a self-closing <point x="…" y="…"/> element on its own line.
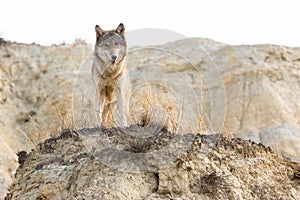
<point x="119" y="163"/>
<point x="35" y="93"/>
<point x="250" y="91"/>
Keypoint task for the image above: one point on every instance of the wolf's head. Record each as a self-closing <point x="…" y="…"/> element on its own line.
<point x="111" y="45"/>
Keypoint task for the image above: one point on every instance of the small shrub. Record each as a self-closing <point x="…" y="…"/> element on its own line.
<point x="139" y="145"/>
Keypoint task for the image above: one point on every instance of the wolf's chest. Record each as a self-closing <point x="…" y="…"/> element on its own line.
<point x="109" y="92"/>
<point x="112" y="74"/>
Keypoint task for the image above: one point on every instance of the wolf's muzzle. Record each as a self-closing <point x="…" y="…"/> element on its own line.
<point x="114" y="57"/>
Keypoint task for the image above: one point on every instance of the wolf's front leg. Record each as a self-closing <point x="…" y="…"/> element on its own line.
<point x="123" y="106"/>
<point x="99" y="103"/>
<point x="122" y="111"/>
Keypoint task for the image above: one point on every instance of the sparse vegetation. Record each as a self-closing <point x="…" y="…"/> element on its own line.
<point x="157" y="109"/>
<point x="58" y="119"/>
<point x="139" y="145"/>
<point x="79" y="41"/>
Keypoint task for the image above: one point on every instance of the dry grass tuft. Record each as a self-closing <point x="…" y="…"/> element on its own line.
<point x="157" y="109"/>
<point x="78" y="41"/>
<point x="57" y="118"/>
<point x="139" y="145"/>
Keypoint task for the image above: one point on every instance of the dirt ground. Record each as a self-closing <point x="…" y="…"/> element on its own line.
<point x="130" y="163"/>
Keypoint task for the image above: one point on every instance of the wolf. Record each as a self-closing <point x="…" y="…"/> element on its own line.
<point x="110" y="76"/>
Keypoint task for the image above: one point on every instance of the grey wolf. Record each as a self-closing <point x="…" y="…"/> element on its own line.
<point x="110" y="76"/>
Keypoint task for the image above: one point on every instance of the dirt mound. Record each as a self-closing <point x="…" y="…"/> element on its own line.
<point x="129" y="163"/>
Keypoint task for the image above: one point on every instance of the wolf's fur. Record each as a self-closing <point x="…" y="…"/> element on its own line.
<point x="110" y="75"/>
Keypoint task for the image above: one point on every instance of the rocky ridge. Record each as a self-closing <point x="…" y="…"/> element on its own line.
<point x="80" y="164"/>
<point x="250" y="91"/>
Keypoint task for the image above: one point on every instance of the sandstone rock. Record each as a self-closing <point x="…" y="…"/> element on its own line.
<point x="284" y="140"/>
<point x="36" y="86"/>
<point x="65" y="168"/>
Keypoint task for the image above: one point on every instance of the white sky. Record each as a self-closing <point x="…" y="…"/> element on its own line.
<point x="227" y="21"/>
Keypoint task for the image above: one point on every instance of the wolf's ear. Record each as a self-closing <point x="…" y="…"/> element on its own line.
<point x="121" y="29"/>
<point x="99" y="31"/>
